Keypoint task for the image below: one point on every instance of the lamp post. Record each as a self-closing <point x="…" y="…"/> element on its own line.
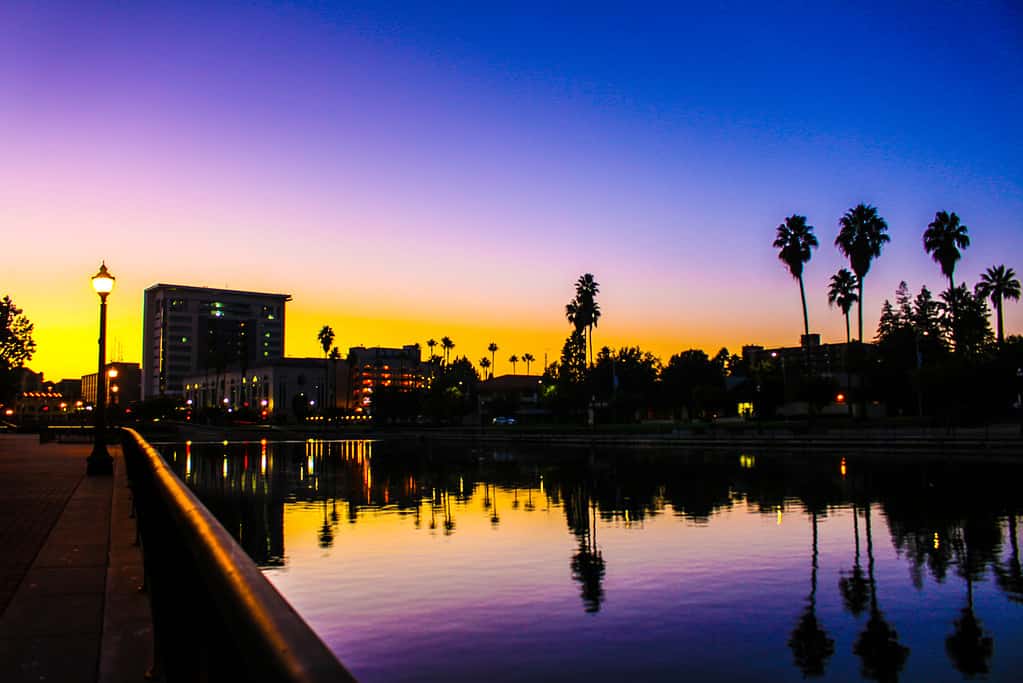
<point x="99" y="461"/>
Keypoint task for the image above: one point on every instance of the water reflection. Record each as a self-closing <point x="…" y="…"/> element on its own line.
<point x="942" y="524"/>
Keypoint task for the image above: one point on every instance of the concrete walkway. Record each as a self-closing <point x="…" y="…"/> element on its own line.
<point x="70" y="609"/>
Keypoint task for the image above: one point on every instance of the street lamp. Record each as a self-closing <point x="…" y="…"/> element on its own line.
<point x="99" y="461"/>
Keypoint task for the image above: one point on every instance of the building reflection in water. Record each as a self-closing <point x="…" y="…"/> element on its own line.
<point x="948" y="521"/>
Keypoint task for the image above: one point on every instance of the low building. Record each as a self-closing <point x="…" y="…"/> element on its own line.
<point x="288" y="388"/>
<point x="124" y="384"/>
<point x="509" y="395"/>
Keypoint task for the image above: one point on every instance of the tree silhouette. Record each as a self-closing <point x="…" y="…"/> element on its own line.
<point x="795" y="240"/>
<point x="431" y="343"/>
<point x="326" y="339"/>
<point x="862" y="233"/>
<point x="485" y="364"/>
<point x="969" y="647"/>
<point x="16" y="344"/>
<point x="583" y="311"/>
<point x="492" y="348"/>
<point x="944" y="237"/>
<point x="513" y="360"/>
<point x="447" y="345"/>
<point x="1000" y="284"/>
<point x="842" y="293"/>
<point x="527" y="358"/>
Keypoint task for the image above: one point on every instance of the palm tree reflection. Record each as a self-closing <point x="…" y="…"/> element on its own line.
<point x="1008" y="574"/>
<point x="882" y="656"/>
<point x="811" y="646"/>
<point x="588" y="565"/>
<point x="853" y="586"/>
<point x="969" y="647"/>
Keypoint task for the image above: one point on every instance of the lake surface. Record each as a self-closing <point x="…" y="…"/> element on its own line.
<point x="443" y="563"/>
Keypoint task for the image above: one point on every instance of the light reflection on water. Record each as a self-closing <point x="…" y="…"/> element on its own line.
<point x="458" y="564"/>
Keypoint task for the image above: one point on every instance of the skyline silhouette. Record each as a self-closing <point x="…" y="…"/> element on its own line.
<point x="408" y="174"/>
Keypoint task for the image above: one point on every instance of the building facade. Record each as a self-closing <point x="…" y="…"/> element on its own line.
<point x="124" y="384"/>
<point x="288" y="388"/>
<point x="375" y="368"/>
<point x="187" y="330"/>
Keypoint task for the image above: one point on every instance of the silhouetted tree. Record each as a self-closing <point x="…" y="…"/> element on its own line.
<point x="842" y="293"/>
<point x="795" y="241"/>
<point x="965" y="321"/>
<point x="16" y="345"/>
<point x="431" y="343"/>
<point x="493" y="349"/>
<point x="583" y="311"/>
<point x="862" y="233"/>
<point x="528" y="358"/>
<point x="484" y="364"/>
<point x="513" y="359"/>
<point x="1000" y="284"/>
<point x="448" y="346"/>
<point x="326" y="339"/>
<point x="944" y="238"/>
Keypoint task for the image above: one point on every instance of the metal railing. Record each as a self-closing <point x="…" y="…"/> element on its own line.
<point x="215" y="616"/>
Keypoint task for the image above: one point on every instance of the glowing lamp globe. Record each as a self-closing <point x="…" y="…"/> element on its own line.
<point x="103" y="281"/>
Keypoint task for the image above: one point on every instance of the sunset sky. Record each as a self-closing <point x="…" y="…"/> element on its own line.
<point x="427" y="170"/>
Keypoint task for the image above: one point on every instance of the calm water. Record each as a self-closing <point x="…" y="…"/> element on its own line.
<point x="464" y="565"/>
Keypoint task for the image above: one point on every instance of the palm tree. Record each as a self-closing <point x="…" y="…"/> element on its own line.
<point x="584" y="311"/>
<point x="484" y="363"/>
<point x="431" y="343"/>
<point x="527" y="358"/>
<point x="862" y="233"/>
<point x="999" y="283"/>
<point x="326" y="338"/>
<point x="513" y="360"/>
<point x="943" y="239"/>
<point x="447" y="345"/>
<point x="492" y="348"/>
<point x="842" y="292"/>
<point x="795" y="240"/>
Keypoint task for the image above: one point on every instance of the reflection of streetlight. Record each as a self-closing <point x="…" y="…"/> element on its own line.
<point x="99" y="461"/>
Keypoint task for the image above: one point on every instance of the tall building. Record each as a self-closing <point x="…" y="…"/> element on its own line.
<point x="186" y="330"/>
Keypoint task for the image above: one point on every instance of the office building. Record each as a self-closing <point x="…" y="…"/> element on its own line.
<point x="189" y="330"/>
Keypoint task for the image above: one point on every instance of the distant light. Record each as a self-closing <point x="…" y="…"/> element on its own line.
<point x="842" y="468"/>
<point x="189" y="402"/>
<point x="264" y="403"/>
<point x="225" y="442"/>
<point x="9" y="411"/>
<point x="840" y="398"/>
<point x="112" y="372"/>
<point x="226" y="401"/>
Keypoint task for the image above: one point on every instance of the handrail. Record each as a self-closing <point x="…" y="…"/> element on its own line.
<point x="214" y="613"/>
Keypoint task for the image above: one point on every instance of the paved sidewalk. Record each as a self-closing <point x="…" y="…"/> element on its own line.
<point x="69" y="574"/>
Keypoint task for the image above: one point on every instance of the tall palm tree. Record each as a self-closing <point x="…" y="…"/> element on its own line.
<point x="795" y="240"/>
<point x="842" y="292"/>
<point x="431" y="343"/>
<point x="492" y="348"/>
<point x="326" y="338"/>
<point x="999" y="283"/>
<point x="862" y="233"/>
<point x="513" y="360"/>
<point x="584" y="311"/>
<point x="484" y="364"/>
<point x="447" y="345"/>
<point x="943" y="239"/>
<point x="527" y="358"/>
